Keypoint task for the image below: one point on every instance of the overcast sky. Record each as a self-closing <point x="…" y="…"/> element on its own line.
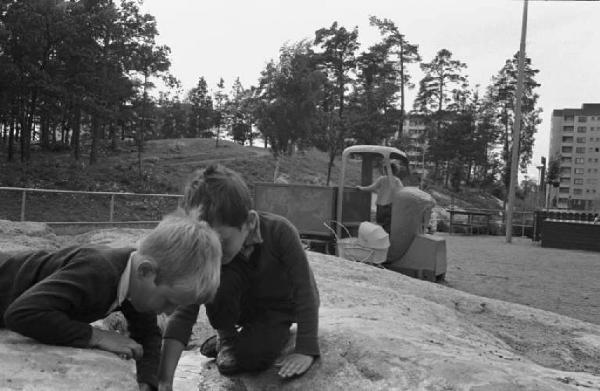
<point x="235" y="38"/>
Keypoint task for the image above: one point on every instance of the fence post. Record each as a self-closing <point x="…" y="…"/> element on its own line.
<point x="112" y="207"/>
<point x="23" y="196"/>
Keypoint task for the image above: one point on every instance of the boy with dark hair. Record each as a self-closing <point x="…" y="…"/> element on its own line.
<point x="54" y="296"/>
<point x="266" y="285"/>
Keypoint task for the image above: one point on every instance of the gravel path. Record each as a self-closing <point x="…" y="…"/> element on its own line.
<point x="562" y="281"/>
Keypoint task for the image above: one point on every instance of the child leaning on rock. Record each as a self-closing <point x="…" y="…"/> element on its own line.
<point x="266" y="285"/>
<point x="54" y="296"/>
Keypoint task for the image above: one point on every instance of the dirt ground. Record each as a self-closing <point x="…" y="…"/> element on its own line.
<point x="562" y="281"/>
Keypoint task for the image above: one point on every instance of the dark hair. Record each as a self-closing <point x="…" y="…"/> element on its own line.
<point x="222" y="195"/>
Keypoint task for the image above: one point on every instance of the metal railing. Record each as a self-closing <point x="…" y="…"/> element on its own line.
<point x="112" y="195"/>
<point x="497" y="214"/>
<point x="521" y="219"/>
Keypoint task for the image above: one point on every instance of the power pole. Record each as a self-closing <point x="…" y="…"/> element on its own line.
<point x="514" y="166"/>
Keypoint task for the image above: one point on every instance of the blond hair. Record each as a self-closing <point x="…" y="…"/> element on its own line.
<point x="187" y="253"/>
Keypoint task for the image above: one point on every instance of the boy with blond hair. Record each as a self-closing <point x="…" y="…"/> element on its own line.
<point x="266" y="285"/>
<point x="54" y="296"/>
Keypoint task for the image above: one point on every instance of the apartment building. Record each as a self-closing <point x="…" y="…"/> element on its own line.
<point x="575" y="143"/>
<point x="414" y="130"/>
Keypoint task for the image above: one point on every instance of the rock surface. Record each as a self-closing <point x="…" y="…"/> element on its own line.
<point x="30" y="366"/>
<point x="381" y="330"/>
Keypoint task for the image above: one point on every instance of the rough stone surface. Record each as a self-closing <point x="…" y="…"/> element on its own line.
<point x="30" y="366"/>
<point x="17" y="237"/>
<point x="383" y="331"/>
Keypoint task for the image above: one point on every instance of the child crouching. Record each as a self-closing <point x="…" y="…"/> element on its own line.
<point x="266" y="285"/>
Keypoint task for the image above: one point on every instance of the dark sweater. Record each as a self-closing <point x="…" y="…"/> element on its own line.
<point x="281" y="279"/>
<point x="53" y="296"/>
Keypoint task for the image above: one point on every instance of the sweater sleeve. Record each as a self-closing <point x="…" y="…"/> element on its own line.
<point x="43" y="311"/>
<point x="143" y="329"/>
<point x="373" y="187"/>
<point x="181" y="322"/>
<point x="305" y="293"/>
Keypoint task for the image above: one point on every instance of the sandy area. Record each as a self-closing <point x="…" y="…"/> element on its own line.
<point x="562" y="281"/>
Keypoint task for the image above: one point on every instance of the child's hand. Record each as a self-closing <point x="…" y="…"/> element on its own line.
<point x="294" y="364"/>
<point x="119" y="344"/>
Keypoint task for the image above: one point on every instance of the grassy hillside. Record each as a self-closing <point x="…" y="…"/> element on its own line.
<point x="166" y="164"/>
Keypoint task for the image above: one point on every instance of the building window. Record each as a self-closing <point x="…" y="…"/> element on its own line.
<point x="577" y="191"/>
<point x="577" y="150"/>
<point x="568" y="129"/>
<point x="582" y="119"/>
<point x="578" y="181"/>
<point x="581" y="140"/>
<point x="567" y="139"/>
<point x="566" y="159"/>
<point x="579" y="171"/>
<point x="579" y="160"/>
<point x="581" y="129"/>
<point x="568" y="118"/>
<point x="565" y="180"/>
<point x="566" y="149"/>
<point x="564" y="190"/>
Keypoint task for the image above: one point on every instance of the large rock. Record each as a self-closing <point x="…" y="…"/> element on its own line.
<point x="23" y="236"/>
<point x="30" y="366"/>
<point x="384" y="331"/>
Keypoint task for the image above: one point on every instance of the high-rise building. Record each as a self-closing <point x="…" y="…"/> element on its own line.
<point x="575" y="144"/>
<point x="415" y="142"/>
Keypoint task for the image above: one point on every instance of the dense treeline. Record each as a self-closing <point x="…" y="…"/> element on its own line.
<point x="78" y="75"/>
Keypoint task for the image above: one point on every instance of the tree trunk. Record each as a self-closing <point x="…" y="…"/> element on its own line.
<point x="76" y="132"/>
<point x="470" y="167"/>
<point x="94" y="147"/>
<point x="217" y="140"/>
<point x="329" y="166"/>
<point x="112" y="131"/>
<point x="23" y="136"/>
<point x="401" y="127"/>
<point x="44" y="132"/>
<point x="63" y="132"/>
<point x="446" y="174"/>
<point x="140" y="138"/>
<point x="11" y="135"/>
<point x="27" y="125"/>
<point x="53" y="135"/>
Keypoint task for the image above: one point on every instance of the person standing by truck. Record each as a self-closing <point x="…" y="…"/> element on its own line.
<point x="384" y="187"/>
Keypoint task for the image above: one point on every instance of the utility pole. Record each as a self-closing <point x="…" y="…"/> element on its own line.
<point x="514" y="166"/>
